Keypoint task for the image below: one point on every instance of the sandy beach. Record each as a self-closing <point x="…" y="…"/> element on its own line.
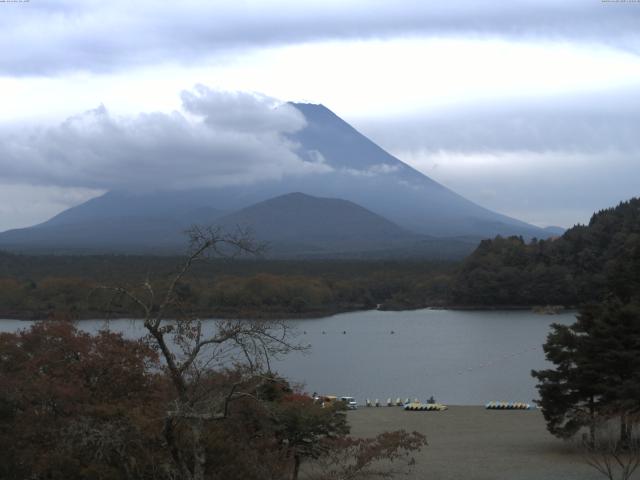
<point x="471" y="443"/>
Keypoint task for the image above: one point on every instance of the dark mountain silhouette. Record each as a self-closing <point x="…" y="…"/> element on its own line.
<point x="297" y="224"/>
<point x="297" y="217"/>
<point x="292" y="225"/>
<point x="159" y="234"/>
<point x="361" y="172"/>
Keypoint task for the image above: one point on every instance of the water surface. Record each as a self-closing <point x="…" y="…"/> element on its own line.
<point x="459" y="357"/>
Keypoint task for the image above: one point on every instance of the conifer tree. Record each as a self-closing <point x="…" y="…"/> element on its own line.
<point x="597" y="370"/>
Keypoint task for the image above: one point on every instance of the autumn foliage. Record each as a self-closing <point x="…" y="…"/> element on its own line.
<point x="80" y="406"/>
<point x="75" y="405"/>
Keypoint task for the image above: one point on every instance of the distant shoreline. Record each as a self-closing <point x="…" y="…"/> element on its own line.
<point x="282" y="315"/>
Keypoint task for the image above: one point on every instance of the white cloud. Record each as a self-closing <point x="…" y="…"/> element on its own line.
<point x="357" y="79"/>
<point x="225" y="138"/>
<point x="372" y="171"/>
<point x="60" y="36"/>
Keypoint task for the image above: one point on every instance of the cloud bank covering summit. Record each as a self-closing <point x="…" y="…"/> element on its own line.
<point x="317" y="168"/>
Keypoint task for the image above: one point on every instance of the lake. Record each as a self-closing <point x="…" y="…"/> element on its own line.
<point x="459" y="357"/>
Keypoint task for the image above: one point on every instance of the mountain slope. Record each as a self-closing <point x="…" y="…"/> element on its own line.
<point x="360" y="172"/>
<point x="299" y="223"/>
<point x="127" y="232"/>
<point x="368" y="175"/>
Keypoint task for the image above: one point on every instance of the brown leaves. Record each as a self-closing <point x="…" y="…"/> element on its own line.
<point x="56" y="381"/>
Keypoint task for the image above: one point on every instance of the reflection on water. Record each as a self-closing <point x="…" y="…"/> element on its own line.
<point x="458" y="357"/>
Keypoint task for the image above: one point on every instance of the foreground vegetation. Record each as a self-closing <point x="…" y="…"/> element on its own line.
<point x="594" y="386"/>
<point x="76" y="406"/>
<point x="187" y="402"/>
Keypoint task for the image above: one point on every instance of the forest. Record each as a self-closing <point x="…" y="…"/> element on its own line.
<point x="48" y="286"/>
<point x="582" y="265"/>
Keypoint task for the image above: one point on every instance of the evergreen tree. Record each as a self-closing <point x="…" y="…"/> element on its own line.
<point x="567" y="395"/>
<point x="597" y="370"/>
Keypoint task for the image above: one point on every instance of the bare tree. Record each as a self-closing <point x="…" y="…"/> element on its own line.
<point x="191" y="349"/>
<point x="614" y="455"/>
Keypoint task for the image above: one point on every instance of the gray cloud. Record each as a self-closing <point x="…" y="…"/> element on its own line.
<point x="156" y="150"/>
<point x="548" y="187"/>
<point x="26" y="205"/>
<point x="48" y="37"/>
<point x="552" y="161"/>
<point x="241" y="111"/>
<point x="597" y="121"/>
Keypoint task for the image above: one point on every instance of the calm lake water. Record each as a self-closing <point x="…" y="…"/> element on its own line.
<point x="459" y="357"/>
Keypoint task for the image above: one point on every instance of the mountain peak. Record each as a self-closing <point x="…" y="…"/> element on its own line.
<point x="361" y="175"/>
<point x="311" y="107"/>
<point x="302" y="197"/>
<point x="317" y="114"/>
<point x="295" y="196"/>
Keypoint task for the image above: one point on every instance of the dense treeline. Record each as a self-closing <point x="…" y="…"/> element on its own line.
<point x="65" y="286"/>
<point x="583" y="265"/>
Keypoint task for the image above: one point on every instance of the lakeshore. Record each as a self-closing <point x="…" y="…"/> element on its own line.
<point x="472" y="443"/>
<point x="248" y="314"/>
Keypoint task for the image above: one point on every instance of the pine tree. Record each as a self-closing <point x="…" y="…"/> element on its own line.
<point x="597" y="370"/>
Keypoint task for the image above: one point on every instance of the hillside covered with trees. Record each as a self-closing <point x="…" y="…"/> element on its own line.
<point x="582" y="265"/>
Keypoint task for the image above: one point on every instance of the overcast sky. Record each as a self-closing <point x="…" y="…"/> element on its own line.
<point x="530" y="108"/>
